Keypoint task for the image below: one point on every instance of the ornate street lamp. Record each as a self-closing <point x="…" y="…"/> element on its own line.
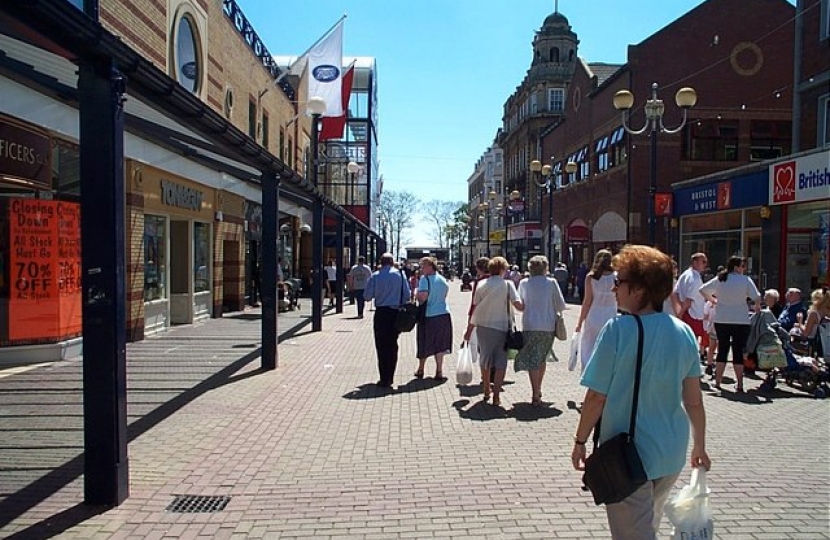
<point x="550" y="182"/>
<point x="686" y="98"/>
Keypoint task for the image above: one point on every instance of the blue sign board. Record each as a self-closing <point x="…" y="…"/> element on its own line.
<point x="744" y="191"/>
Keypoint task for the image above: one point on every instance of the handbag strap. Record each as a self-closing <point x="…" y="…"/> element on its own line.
<point x="635" y="399"/>
<point x="403" y="281"/>
<point x="509" y="311"/>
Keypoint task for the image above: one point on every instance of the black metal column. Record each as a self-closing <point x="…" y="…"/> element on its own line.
<point x="106" y="469"/>
<point x="551" y="254"/>
<point x="375" y="256"/>
<point x="652" y="191"/>
<point x="341" y="230"/>
<point x="353" y="244"/>
<point x="317" y="233"/>
<point x="268" y="273"/>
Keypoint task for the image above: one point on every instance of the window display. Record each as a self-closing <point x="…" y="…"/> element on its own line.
<point x="155" y="255"/>
<point x="201" y="257"/>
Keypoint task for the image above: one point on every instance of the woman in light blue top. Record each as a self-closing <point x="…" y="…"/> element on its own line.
<point x="434" y="334"/>
<point x="669" y="399"/>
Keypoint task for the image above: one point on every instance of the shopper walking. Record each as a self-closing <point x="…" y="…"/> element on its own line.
<point x="358" y="277"/>
<point x="669" y="396"/>
<point x="434" y="333"/>
<point x="543" y="303"/>
<point x="732" y="289"/>
<point x="491" y="319"/>
<point x="389" y="289"/>
<point x="599" y="305"/>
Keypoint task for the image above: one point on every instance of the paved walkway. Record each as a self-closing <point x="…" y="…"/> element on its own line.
<point x="315" y="450"/>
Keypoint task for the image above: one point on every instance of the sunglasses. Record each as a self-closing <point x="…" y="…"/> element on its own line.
<point x="618" y="281"/>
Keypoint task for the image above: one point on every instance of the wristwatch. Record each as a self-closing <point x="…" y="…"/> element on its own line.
<point x="578" y="442"/>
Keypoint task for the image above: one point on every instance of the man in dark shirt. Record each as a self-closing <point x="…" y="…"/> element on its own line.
<point x="791" y="310"/>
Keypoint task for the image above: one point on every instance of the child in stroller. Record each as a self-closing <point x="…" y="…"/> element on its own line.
<point x="288" y="297"/>
<point x="805" y="372"/>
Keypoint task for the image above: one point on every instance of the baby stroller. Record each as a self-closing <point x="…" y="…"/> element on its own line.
<point x="288" y="295"/>
<point x="807" y="373"/>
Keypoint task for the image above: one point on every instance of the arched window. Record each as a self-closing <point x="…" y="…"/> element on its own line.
<point x="571" y="56"/>
<point x="554" y="54"/>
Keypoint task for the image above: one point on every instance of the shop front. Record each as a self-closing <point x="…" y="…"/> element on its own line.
<point x="723" y="217"/>
<point x="577" y="242"/>
<point x="40" y="251"/>
<point x="524" y="240"/>
<point x="171" y="257"/>
<point x="800" y="188"/>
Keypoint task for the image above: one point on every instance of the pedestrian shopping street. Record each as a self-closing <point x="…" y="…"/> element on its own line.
<point x="315" y="450"/>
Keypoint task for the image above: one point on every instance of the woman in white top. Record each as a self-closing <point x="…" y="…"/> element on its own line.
<point x="599" y="305"/>
<point x="543" y="303"/>
<point x="732" y="288"/>
<point x="491" y="320"/>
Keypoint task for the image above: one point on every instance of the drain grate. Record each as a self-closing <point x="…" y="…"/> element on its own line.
<point x="192" y="504"/>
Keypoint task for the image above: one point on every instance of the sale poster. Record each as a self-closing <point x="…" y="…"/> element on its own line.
<point x="43" y="265"/>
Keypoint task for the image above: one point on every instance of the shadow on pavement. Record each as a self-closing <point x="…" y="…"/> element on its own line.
<point x="369" y="391"/>
<point x="16" y="504"/>
<point x="483" y="411"/>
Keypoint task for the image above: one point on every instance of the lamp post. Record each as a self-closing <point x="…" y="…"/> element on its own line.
<point x="551" y="183"/>
<point x="316" y="107"/>
<point x="623" y="101"/>
<point x="465" y="219"/>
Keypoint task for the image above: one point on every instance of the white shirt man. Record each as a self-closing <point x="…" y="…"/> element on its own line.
<point x="688" y="297"/>
<point x="358" y="278"/>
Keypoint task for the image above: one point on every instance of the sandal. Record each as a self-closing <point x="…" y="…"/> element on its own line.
<point x="419" y="374"/>
<point x="439" y="376"/>
<point x="496" y="401"/>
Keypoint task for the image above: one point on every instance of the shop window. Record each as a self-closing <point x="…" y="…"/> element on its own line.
<point x="155" y="258"/>
<point x="201" y="257"/>
<point x="823" y="121"/>
<point x="770" y="139"/>
<point x="66" y="169"/>
<point x="711" y="140"/>
<point x="617" y="150"/>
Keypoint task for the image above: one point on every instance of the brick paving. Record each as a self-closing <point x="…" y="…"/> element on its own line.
<point x="315" y="450"/>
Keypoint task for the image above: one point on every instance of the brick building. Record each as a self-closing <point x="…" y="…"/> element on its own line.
<point x="737" y="56"/>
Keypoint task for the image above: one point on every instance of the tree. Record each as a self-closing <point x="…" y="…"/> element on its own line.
<point x="440" y="214"/>
<point x="395" y="209"/>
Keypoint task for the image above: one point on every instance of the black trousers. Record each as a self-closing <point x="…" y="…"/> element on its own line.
<point x="386" y="343"/>
<point x="731" y="336"/>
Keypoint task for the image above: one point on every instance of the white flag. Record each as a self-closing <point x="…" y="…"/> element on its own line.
<point x="325" y="69"/>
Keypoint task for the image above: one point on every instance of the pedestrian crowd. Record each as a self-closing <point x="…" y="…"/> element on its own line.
<point x="641" y="325"/>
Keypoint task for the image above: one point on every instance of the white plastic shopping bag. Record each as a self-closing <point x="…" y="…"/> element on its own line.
<point x="689" y="511"/>
<point x="473" y="346"/>
<point x="464" y="367"/>
<point x="573" y="356"/>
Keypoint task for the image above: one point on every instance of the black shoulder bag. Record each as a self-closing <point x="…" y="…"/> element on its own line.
<point x="614" y="470"/>
<point x="407" y="315"/>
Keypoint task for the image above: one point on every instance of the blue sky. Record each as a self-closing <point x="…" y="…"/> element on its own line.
<point x="446" y="67"/>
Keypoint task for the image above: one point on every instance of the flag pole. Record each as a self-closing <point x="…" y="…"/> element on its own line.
<point x="321" y="38"/>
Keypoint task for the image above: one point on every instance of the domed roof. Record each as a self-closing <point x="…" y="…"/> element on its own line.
<point x="556" y="19"/>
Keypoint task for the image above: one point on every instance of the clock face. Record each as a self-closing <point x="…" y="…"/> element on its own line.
<point x="188" y="67"/>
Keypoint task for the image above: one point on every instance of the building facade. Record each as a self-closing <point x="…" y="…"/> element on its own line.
<point x="193" y="209"/>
